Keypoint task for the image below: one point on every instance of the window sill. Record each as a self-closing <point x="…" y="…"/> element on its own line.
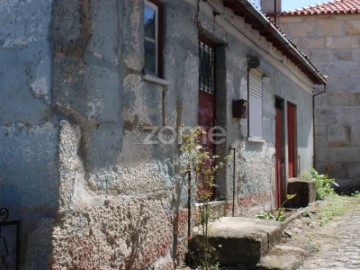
<point x="154" y="79"/>
<point x="256" y="139"/>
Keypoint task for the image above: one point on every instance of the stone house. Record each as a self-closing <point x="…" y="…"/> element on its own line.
<point x="88" y="88"/>
<point x="329" y="34"/>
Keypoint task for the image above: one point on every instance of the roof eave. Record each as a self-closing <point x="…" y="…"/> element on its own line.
<point x="259" y="21"/>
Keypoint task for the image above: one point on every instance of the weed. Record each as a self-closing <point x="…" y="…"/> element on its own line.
<point x="324" y="185"/>
<point x="278" y="215"/>
<point x="335" y="206"/>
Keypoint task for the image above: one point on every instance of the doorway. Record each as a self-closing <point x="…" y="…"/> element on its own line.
<point x="292" y="139"/>
<point x="280" y="183"/>
<point x="207" y="100"/>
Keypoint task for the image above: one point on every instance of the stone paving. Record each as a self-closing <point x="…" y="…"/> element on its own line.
<point x="339" y="245"/>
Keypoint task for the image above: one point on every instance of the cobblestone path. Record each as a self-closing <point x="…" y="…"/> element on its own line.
<point x="339" y="245"/>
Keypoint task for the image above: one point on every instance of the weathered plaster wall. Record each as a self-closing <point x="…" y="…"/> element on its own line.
<point x="116" y="193"/>
<point x="107" y="170"/>
<point x="255" y="161"/>
<point x="28" y="130"/>
<point x="332" y="43"/>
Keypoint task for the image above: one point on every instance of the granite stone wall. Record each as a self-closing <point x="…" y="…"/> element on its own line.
<point x="332" y="43"/>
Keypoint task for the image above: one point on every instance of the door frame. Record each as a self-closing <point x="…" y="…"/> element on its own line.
<point x="280" y="164"/>
<point x="209" y="95"/>
<point x="292" y="139"/>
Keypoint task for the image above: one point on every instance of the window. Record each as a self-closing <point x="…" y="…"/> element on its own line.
<point x="152" y="38"/>
<point x="207" y="66"/>
<point x="255" y="103"/>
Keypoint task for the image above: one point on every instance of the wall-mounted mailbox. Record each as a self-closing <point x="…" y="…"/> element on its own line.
<point x="239" y="108"/>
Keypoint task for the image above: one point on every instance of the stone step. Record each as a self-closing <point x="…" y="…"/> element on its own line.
<point x="282" y="257"/>
<point x="239" y="240"/>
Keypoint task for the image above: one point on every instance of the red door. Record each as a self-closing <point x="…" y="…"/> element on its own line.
<point x="207" y="104"/>
<point x="292" y="144"/>
<point x="206" y="118"/>
<point x="280" y="188"/>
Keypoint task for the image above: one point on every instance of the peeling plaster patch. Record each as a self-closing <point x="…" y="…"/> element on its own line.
<point x="94" y="109"/>
<point x="256" y="169"/>
<point x="135" y="107"/>
<point x="40" y="89"/>
<point x="24" y="22"/>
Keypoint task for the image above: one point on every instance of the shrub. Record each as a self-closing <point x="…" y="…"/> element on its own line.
<point x="324" y="185"/>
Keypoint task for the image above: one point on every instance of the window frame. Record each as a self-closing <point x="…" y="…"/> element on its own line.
<point x="211" y="89"/>
<point x="251" y="135"/>
<point x="158" y="8"/>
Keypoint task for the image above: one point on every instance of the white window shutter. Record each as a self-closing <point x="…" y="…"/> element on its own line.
<point x="255" y="103"/>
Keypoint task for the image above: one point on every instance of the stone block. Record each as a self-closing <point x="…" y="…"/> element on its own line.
<point x="240" y="240"/>
<point x="71" y="28"/>
<point x="352" y="28"/>
<point x="325" y="116"/>
<point x="282" y="257"/>
<point x="345" y="154"/>
<point x="321" y="55"/>
<point x="343" y="55"/>
<point x="348" y="116"/>
<point x="305" y="193"/>
<point x="104" y="38"/>
<point x="293" y="29"/>
<point x="132" y="33"/>
<point x="338" y="170"/>
<point x="25" y="83"/>
<point x="144" y="108"/>
<point x="102" y="84"/>
<point x="355" y="133"/>
<point x="354" y="170"/>
<point x="356" y="54"/>
<point x="312" y="43"/>
<point x="328" y="27"/>
<point x="341" y="99"/>
<point x="338" y="133"/>
<point x="28" y="166"/>
<point x="342" y="42"/>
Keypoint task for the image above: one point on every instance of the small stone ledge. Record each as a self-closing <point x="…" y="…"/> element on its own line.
<point x="154" y="79"/>
<point x="256" y="139"/>
<point x="282" y="257"/>
<point x="305" y="193"/>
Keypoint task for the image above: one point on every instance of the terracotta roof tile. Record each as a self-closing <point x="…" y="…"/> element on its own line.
<point x="333" y="7"/>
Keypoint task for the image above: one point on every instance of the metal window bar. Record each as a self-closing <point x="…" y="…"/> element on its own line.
<point x="207" y="68"/>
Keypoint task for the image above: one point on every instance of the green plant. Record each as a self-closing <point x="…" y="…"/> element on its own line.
<point x="324" y="185"/>
<point x="265" y="215"/>
<point x="197" y="160"/>
<point x="278" y="215"/>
